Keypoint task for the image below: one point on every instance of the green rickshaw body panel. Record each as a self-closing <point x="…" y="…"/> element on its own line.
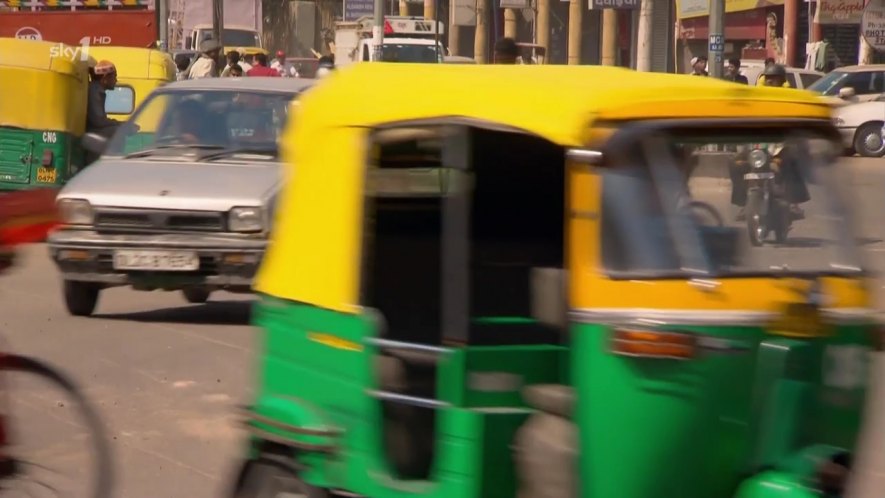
<point x="21" y="156"/>
<point x="315" y="373"/>
<point x="694" y="428"/>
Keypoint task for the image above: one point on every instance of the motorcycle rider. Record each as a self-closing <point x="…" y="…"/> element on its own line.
<point x="785" y="165"/>
<point x="774" y="75"/>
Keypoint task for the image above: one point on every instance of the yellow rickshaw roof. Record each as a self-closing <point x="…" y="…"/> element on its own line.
<point x="555" y="102"/>
<point x="137" y="63"/>
<point x="42" y="56"/>
<point x="314" y="256"/>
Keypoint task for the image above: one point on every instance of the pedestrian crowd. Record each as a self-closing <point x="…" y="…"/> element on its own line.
<point x="209" y="64"/>
<point x="773" y="74"/>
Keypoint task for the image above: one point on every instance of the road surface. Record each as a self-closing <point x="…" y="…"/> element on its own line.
<point x="167" y="375"/>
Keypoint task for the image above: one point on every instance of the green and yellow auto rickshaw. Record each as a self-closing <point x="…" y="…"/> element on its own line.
<point x="539" y="286"/>
<point x="43" y="94"/>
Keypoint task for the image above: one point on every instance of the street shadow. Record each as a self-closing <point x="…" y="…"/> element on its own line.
<point x="804" y="242"/>
<point x="866" y="241"/>
<point x="211" y="313"/>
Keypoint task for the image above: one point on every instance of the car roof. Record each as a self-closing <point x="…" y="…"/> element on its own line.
<point x="861" y="69"/>
<point x="258" y="83"/>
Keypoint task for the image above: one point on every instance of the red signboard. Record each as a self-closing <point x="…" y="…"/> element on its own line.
<point x="744" y="25"/>
<point x="133" y="28"/>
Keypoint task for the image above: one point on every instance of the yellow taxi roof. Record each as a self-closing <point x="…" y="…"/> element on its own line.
<point x="314" y="256"/>
<point x="42" y="56"/>
<point x="137" y="63"/>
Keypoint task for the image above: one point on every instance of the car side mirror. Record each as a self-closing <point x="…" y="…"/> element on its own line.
<point x="95" y="143"/>
<point x="846" y="93"/>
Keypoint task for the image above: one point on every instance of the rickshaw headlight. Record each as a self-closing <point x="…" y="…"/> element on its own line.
<point x="758" y="158"/>
<point x="246" y="219"/>
<point x="75" y="211"/>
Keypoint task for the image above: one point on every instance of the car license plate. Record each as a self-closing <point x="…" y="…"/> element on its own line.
<point x="156" y="260"/>
<point x="46" y="175"/>
<point x="758" y="176"/>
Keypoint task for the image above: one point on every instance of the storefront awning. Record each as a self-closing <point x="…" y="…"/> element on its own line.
<point x="689" y="9"/>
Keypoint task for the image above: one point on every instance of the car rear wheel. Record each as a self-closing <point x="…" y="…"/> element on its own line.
<point x="196" y="295"/>
<point x="80" y="297"/>
<point x="868" y="141"/>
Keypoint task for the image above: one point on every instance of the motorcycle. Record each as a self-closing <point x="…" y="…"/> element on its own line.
<point x="768" y="210"/>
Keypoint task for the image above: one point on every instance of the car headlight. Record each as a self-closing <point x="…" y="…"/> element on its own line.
<point x="246" y="219"/>
<point x="75" y="211"/>
<point x="758" y="158"/>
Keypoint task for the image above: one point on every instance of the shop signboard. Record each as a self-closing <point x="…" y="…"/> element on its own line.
<point x="872" y="26"/>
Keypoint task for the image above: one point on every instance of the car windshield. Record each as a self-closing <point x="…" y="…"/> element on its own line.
<point x="685" y="205"/>
<point x="828" y="84"/>
<point x="236" y="37"/>
<point x="401" y="52"/>
<point x="187" y="121"/>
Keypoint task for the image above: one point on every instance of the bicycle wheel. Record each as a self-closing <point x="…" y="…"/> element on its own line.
<point x="53" y="441"/>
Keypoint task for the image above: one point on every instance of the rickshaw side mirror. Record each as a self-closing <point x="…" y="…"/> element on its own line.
<point x="95" y="143"/>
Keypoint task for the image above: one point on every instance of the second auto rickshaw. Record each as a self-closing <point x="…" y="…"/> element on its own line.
<point x="139" y="72"/>
<point x="43" y="93"/>
<point x="539" y="287"/>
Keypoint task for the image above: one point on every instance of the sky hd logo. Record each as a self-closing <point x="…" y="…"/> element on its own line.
<point x="72" y="52"/>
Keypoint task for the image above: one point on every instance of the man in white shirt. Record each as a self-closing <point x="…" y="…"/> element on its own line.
<point x="205" y="66"/>
<point x="285" y="69"/>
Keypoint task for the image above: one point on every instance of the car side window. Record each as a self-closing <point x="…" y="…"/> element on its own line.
<point x="861" y="82"/>
<point x="808" y="79"/>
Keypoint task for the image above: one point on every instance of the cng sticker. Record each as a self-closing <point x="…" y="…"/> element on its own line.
<point x="50" y="137"/>
<point x="845" y="367"/>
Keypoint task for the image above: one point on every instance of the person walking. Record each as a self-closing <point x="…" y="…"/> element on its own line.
<point x="282" y="66"/>
<point x="699" y="66"/>
<point x="233" y="59"/>
<point x="506" y="51"/>
<point x="260" y="68"/>
<point x="205" y="66"/>
<point x="182" y="63"/>
<point x="733" y="72"/>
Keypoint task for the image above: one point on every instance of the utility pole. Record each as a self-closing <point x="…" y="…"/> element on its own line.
<point x="717" y="37"/>
<point x="542" y="30"/>
<point x="378" y="30"/>
<point x="217" y="21"/>
<point x="480" y="41"/>
<point x="644" y="35"/>
<point x="454" y="30"/>
<point x="575" y="9"/>
<point x="163" y="23"/>
<point x="510" y="23"/>
<point x="609" y="37"/>
<point x="403" y="7"/>
<point x="791" y="30"/>
<point x="430" y="9"/>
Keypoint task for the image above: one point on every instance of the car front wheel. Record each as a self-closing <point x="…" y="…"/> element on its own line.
<point x="80" y="297"/>
<point x="868" y="141"/>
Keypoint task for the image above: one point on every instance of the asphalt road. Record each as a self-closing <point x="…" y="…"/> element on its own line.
<point x="167" y="375"/>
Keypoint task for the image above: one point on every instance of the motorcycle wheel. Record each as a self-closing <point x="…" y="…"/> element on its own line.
<point x="756" y="222"/>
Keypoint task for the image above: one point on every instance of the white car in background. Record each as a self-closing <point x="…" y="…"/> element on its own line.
<point x="862" y="126"/>
<point x="797" y="77"/>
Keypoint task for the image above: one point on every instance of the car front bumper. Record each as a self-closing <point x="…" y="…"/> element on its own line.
<point x="847" y="134"/>
<point x="225" y="262"/>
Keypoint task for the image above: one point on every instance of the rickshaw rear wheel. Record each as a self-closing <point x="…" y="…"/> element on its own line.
<point x="196" y="295"/>
<point x="268" y="477"/>
<point x="80" y="297"/>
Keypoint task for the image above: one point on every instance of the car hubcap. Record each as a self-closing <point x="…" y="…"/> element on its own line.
<point x="874" y="142"/>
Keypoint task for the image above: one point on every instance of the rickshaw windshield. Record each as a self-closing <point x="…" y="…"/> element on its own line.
<point x="679" y="205"/>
